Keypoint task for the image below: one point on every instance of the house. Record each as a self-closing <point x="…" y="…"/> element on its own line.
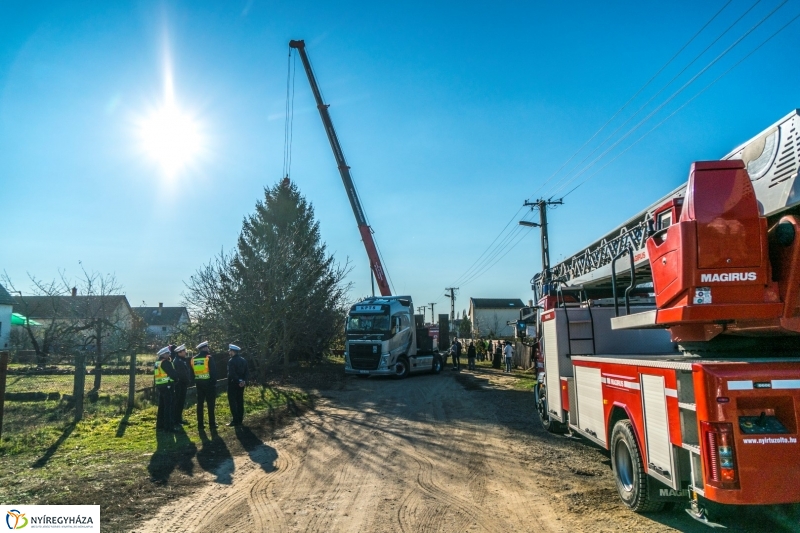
<point x="80" y="309"/>
<point x="162" y="322"/>
<point x="6" y="308"/>
<point x="490" y="316"/>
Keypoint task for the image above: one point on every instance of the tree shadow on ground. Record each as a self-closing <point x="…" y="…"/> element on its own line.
<point x="259" y="452"/>
<point x="48" y="454"/>
<point x="215" y="457"/>
<point x="173" y="450"/>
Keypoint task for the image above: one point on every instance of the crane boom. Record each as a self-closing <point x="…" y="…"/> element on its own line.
<point x="344" y="171"/>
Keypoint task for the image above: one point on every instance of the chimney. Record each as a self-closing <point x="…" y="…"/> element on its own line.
<point x="74" y="291"/>
<point x="160" y="307"/>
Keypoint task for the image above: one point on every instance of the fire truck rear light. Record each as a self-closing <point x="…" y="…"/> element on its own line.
<point x="719" y="454"/>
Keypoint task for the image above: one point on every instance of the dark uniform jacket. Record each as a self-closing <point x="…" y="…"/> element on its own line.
<point x="181" y="365"/>
<point x="237" y="369"/>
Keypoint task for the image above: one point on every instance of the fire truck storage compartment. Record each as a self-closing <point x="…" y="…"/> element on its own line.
<point x="660" y="455"/>
<point x="556" y="362"/>
<point x="589" y="391"/>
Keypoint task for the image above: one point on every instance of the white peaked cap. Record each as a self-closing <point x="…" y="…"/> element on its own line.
<point x="203" y="344"/>
<point x="181" y="348"/>
<point x="163" y="351"/>
<point x="234" y="347"/>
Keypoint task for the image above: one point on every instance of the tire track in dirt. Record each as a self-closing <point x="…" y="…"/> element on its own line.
<point x="267" y="514"/>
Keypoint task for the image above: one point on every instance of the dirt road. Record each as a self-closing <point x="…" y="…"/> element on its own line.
<point x="451" y="453"/>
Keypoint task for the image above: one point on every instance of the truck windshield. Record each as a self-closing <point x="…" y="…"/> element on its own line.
<point x="368" y="323"/>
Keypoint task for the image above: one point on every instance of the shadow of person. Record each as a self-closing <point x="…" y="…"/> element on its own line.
<point x="215" y="457"/>
<point x="259" y="452"/>
<point x="162" y="463"/>
<point x="185" y="452"/>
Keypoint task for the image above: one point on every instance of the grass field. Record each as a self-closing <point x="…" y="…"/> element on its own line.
<point x="119" y="461"/>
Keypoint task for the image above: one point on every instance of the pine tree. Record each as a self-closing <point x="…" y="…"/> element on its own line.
<point x="280" y="294"/>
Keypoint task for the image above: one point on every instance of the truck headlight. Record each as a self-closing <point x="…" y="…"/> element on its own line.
<point x="384" y="361"/>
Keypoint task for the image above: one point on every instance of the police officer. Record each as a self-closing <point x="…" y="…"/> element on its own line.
<point x="205" y="379"/>
<point x="237" y="379"/>
<point x="165" y="377"/>
<point x="181" y="364"/>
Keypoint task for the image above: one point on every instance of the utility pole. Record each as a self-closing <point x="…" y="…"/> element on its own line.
<point x="452" y="297"/>
<point x="541" y="204"/>
<point x="422" y="308"/>
<point x="433" y="317"/>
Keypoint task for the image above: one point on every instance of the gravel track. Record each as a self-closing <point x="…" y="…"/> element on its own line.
<point x="447" y="453"/>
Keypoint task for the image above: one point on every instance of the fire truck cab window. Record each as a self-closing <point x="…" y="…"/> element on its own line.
<point x="665" y="219"/>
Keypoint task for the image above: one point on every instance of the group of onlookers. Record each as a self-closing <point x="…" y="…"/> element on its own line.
<point x="496" y="351"/>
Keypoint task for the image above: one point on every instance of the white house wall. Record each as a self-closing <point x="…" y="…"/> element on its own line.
<point x="483" y="321"/>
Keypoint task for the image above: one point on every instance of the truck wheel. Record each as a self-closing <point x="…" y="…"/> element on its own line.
<point x="626" y="462"/>
<point x="437" y="365"/>
<point x="401" y="367"/>
<point x="553" y="426"/>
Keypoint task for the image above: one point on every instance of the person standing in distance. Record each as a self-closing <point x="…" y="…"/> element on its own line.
<point x="205" y="379"/>
<point x="165" y="376"/>
<point x="237" y="379"/>
<point x="471" y="356"/>
<point x="508" y="351"/>
<point x="181" y="364"/>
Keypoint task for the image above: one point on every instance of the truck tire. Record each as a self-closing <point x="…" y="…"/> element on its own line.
<point x="401" y="368"/>
<point x="437" y="365"/>
<point x="628" y="468"/>
<point x="550" y="425"/>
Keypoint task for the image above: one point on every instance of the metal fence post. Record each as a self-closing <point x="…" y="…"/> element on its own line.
<point x="3" y="374"/>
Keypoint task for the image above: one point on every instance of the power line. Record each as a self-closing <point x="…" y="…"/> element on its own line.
<point x="663" y="88"/>
<point x="704" y="89"/>
<point x="672" y="97"/>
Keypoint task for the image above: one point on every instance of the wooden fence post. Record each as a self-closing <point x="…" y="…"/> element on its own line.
<point x="79" y="384"/>
<point x="131" y="384"/>
<point x="3" y="374"/>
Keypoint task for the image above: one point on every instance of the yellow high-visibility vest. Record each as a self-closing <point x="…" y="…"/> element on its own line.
<point x="161" y="377"/>
<point x="201" y="367"/>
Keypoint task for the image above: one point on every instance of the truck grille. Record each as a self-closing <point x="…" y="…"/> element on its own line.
<point x="362" y="356"/>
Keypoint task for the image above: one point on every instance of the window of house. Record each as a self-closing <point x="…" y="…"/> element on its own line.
<point x="163" y="328"/>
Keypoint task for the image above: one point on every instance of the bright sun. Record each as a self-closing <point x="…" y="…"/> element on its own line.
<point x="171" y="137"/>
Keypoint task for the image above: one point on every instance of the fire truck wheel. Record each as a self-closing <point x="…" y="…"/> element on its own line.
<point x="437" y="365"/>
<point x="553" y="426"/>
<point x="626" y="462"/>
<point x="401" y="367"/>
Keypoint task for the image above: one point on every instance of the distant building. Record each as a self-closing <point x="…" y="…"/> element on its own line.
<point x="6" y="308"/>
<point x="80" y="309"/>
<point x="162" y="322"/>
<point x="490" y="316"/>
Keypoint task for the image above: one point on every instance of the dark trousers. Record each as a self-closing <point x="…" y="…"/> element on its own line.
<point x="457" y="361"/>
<point x="471" y="363"/>
<point x="180" y="400"/>
<point x="496" y="362"/>
<point x="236" y="401"/>
<point x="206" y="394"/>
<point x="165" y="419"/>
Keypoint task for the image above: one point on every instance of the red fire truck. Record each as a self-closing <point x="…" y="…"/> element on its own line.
<point x="691" y="376"/>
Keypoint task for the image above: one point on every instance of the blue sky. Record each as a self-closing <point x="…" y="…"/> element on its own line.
<point x="450" y="115"/>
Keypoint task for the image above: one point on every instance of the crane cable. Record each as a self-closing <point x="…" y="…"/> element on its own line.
<point x="289" y="114"/>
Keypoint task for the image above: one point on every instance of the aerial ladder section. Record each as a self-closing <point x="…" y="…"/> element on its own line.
<point x="344" y="171"/>
<point x="772" y="159"/>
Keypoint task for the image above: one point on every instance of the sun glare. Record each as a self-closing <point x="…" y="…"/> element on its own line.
<point x="171" y="137"/>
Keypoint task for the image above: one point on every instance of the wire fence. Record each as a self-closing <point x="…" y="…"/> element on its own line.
<point x="41" y="396"/>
